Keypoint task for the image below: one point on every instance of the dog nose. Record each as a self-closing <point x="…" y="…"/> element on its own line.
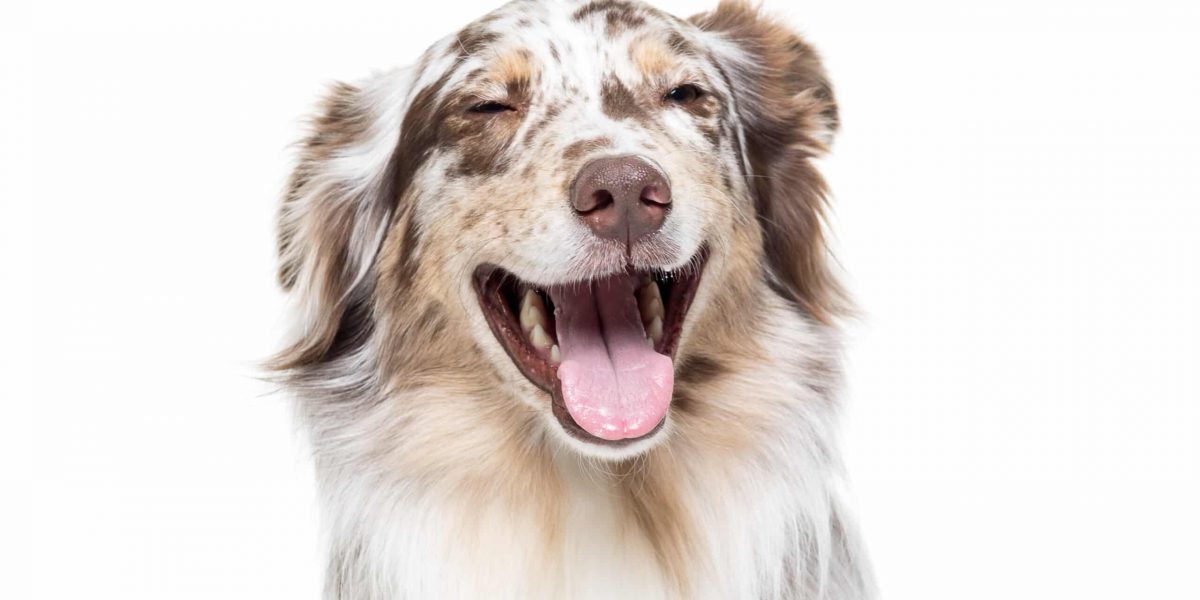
<point x="621" y="198"/>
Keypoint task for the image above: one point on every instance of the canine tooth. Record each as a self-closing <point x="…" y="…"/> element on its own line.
<point x="654" y="329"/>
<point x="647" y="287"/>
<point x="555" y="357"/>
<point x="649" y="302"/>
<point x="655" y="308"/>
<point x="541" y="340"/>
<point x="533" y="311"/>
<point x="529" y="318"/>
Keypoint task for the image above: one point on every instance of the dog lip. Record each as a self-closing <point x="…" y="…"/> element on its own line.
<point x="490" y="281"/>
<point x="505" y="326"/>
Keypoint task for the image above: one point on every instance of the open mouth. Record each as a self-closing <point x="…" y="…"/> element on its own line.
<point x="604" y="349"/>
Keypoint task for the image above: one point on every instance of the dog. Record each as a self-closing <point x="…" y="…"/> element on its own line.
<point x="566" y="324"/>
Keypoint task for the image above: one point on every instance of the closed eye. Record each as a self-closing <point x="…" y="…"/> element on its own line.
<point x="490" y="108"/>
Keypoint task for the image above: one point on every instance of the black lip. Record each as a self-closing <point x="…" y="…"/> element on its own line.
<point x="493" y="286"/>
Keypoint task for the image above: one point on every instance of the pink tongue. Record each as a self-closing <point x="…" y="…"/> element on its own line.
<point x="614" y="384"/>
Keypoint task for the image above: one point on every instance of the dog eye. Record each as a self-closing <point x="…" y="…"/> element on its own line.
<point x="684" y="94"/>
<point x="490" y="108"/>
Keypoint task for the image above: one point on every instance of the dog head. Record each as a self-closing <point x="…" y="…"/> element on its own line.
<point x="560" y="206"/>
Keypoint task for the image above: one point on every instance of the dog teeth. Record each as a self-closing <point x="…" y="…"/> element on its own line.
<point x="533" y="312"/>
<point x="535" y="322"/>
<point x="655" y="329"/>
<point x="541" y="340"/>
<point x="649" y="302"/>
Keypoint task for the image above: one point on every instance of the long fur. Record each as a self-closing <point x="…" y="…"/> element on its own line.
<point x="441" y="473"/>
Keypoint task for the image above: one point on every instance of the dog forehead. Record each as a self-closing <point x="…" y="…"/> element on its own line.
<point x="573" y="47"/>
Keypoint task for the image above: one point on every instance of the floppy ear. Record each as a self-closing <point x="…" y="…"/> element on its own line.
<point x="786" y="107"/>
<point x="337" y="208"/>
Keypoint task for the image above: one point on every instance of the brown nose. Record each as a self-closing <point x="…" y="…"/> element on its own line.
<point x="621" y="198"/>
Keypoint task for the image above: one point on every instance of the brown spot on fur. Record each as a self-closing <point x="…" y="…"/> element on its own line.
<point x="481" y="139"/>
<point x="473" y="217"/>
<point x="619" y="21"/>
<point x="419" y="131"/>
<point x="481" y="148"/>
<point x="600" y="6"/>
<point x="474" y="39"/>
<point x="786" y="106"/>
<point x="619" y="16"/>
<point x="581" y="148"/>
<point x="698" y="368"/>
<point x="618" y="102"/>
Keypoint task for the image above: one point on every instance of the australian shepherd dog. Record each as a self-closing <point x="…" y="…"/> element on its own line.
<point x="565" y="320"/>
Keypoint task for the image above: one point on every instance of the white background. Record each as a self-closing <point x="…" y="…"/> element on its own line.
<point x="1016" y="189"/>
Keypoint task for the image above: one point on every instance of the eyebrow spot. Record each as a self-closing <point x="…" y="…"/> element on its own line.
<point x="515" y="70"/>
<point x="618" y="102"/>
<point x="651" y="57"/>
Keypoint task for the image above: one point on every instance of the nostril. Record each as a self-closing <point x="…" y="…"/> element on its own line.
<point x="600" y="199"/>
<point x="653" y="195"/>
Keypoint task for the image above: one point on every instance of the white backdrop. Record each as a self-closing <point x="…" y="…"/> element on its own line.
<point x="1016" y="190"/>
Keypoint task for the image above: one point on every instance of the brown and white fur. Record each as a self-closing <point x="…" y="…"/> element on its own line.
<point x="443" y="473"/>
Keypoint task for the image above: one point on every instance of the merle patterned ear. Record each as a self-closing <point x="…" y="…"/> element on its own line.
<point x="337" y="207"/>
<point x="788" y="113"/>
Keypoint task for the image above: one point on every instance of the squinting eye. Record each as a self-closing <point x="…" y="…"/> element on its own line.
<point x="683" y="94"/>
<point x="490" y="108"/>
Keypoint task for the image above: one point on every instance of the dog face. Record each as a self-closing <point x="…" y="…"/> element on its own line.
<point x="556" y="207"/>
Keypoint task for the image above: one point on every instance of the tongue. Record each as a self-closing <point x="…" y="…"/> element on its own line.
<point x="615" y="386"/>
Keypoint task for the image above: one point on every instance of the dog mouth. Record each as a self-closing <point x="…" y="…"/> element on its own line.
<point x="603" y="349"/>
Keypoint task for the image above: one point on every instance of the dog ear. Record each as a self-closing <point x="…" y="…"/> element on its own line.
<point x="787" y="110"/>
<point x="339" y="203"/>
